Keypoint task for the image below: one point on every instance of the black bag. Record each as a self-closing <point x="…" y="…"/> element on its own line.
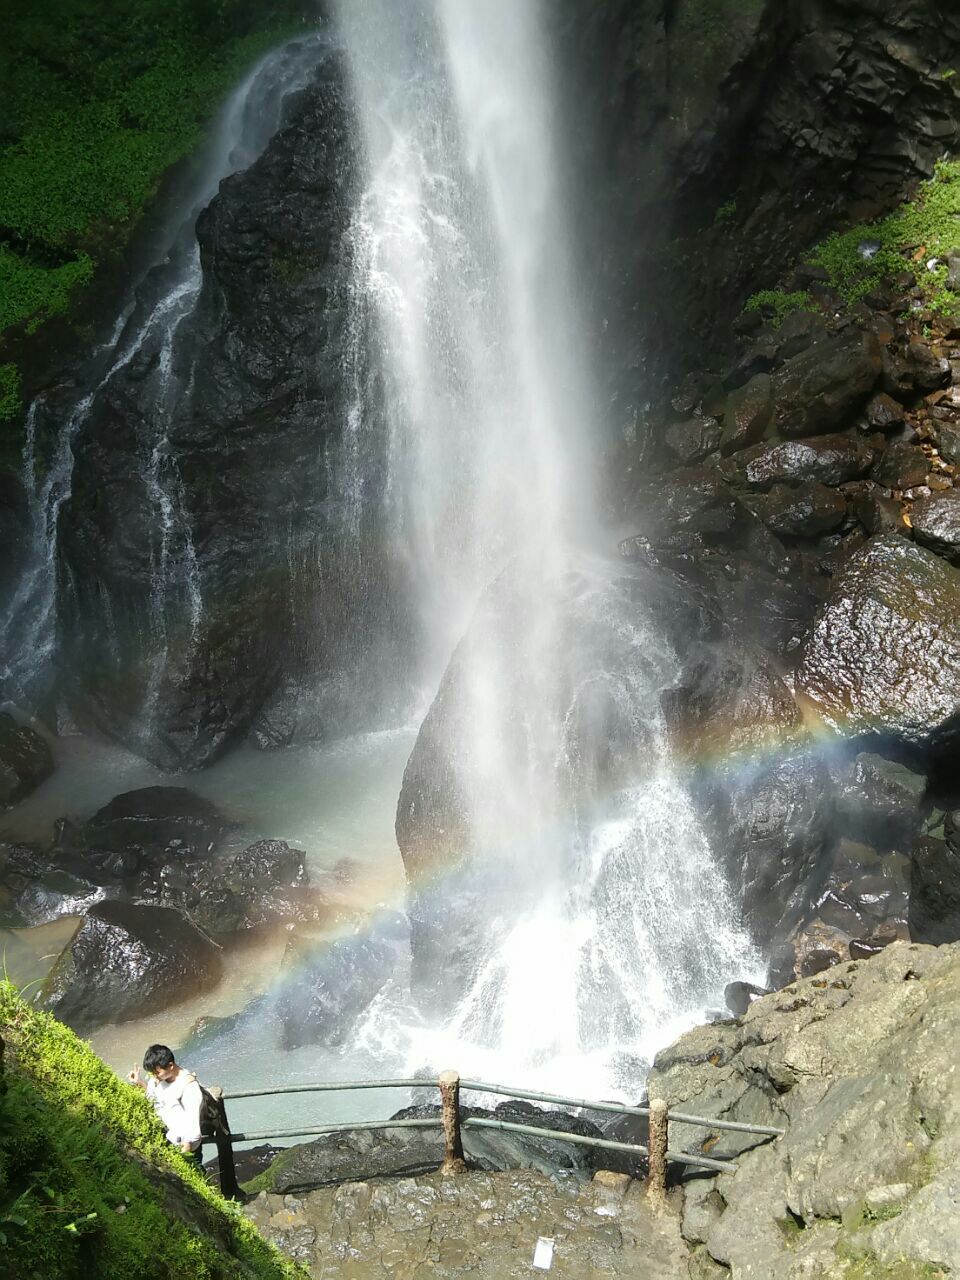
<point x="213" y="1114"/>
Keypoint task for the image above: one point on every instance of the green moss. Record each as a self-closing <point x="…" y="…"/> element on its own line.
<point x="725" y="213"/>
<point x="90" y="1187"/>
<point x="9" y="391"/>
<point x="925" y="228"/>
<point x="869" y="1267"/>
<point x="101" y="97"/>
<point x="778" y="304"/>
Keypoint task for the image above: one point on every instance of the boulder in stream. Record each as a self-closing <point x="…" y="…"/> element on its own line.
<point x="128" y="961"/>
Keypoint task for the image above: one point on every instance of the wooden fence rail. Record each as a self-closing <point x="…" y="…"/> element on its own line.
<point x="452" y="1123"/>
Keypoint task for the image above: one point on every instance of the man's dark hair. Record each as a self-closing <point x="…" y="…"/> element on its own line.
<point x="158" y="1055"/>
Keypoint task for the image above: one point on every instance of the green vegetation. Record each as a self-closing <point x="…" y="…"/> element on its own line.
<point x="9" y="391"/>
<point x="778" y="305"/>
<point x="89" y="1186"/>
<point x="916" y="233"/>
<point x="101" y="97"/>
<point x="867" y="1266"/>
<point x="725" y="213"/>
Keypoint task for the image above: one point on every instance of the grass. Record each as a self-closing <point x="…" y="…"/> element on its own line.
<point x="101" y="97"/>
<point x="777" y="304"/>
<point x="90" y="1187"/>
<point x="925" y="228"/>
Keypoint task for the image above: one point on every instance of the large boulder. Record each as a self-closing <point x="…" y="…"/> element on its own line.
<point x="936" y="523"/>
<point x="25" y="761"/>
<point x="822" y="388"/>
<point x="34" y="891"/>
<point x="804" y="512"/>
<point x="126" y="962"/>
<point x="884" y="653"/>
<point x="934" y="891"/>
<point x="829" y="460"/>
<point x="156" y="824"/>
<point x="879" y="801"/>
<point x="747" y="415"/>
<point x="578" y="721"/>
<point x="853" y="1064"/>
<point x="729" y="702"/>
<point x="770" y="818"/>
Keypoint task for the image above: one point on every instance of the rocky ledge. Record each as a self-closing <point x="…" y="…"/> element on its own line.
<point x="859" y="1066"/>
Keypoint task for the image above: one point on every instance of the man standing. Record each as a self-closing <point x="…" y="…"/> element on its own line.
<point x="176" y="1094"/>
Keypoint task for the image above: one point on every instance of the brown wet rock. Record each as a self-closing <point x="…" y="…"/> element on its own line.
<point x="902" y="466"/>
<point x="829" y="460"/>
<point x="749" y="412"/>
<point x="878" y="512"/>
<point x="127" y="961"/>
<point x="804" y="512"/>
<point x="692" y="440"/>
<point x="884" y="652"/>
<point x="934" y="891"/>
<point x="25" y="761"/>
<point x="822" y="387"/>
<point x="884" y="413"/>
<point x="936" y="523"/>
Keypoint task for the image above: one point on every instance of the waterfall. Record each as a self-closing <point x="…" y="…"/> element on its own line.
<point x="585" y="945"/>
<point x="159" y="299"/>
<point x="462" y="299"/>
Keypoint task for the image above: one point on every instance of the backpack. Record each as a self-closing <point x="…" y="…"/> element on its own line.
<point x="213" y="1114"/>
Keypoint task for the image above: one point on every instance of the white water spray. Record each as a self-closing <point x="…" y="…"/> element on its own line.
<point x="593" y="946"/>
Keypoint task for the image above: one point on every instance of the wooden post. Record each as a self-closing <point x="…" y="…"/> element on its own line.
<point x="221" y="1136"/>
<point x="453" y="1161"/>
<point x="657" y="1145"/>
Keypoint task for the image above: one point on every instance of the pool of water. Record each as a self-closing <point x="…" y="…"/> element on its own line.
<point x="336" y="801"/>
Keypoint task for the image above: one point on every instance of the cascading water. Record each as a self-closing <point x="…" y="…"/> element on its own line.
<point x="159" y="300"/>
<point x="584" y="945"/>
<point x="462" y="299"/>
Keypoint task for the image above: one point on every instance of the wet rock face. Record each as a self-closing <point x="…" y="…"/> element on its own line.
<point x="770" y="823"/>
<point x="935" y="891"/>
<point x="127" y="961"/>
<point x="25" y="761"/>
<point x="826" y="460"/>
<point x="884" y="653"/>
<point x="879" y="801"/>
<point x="936" y="524"/>
<point x="261" y="361"/>
<point x="759" y="128"/>
<point x="819" y="389"/>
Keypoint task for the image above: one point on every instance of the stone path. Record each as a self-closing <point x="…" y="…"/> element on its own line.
<point x="483" y="1225"/>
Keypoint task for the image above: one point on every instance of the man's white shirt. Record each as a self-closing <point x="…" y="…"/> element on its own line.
<point x="178" y="1106"/>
